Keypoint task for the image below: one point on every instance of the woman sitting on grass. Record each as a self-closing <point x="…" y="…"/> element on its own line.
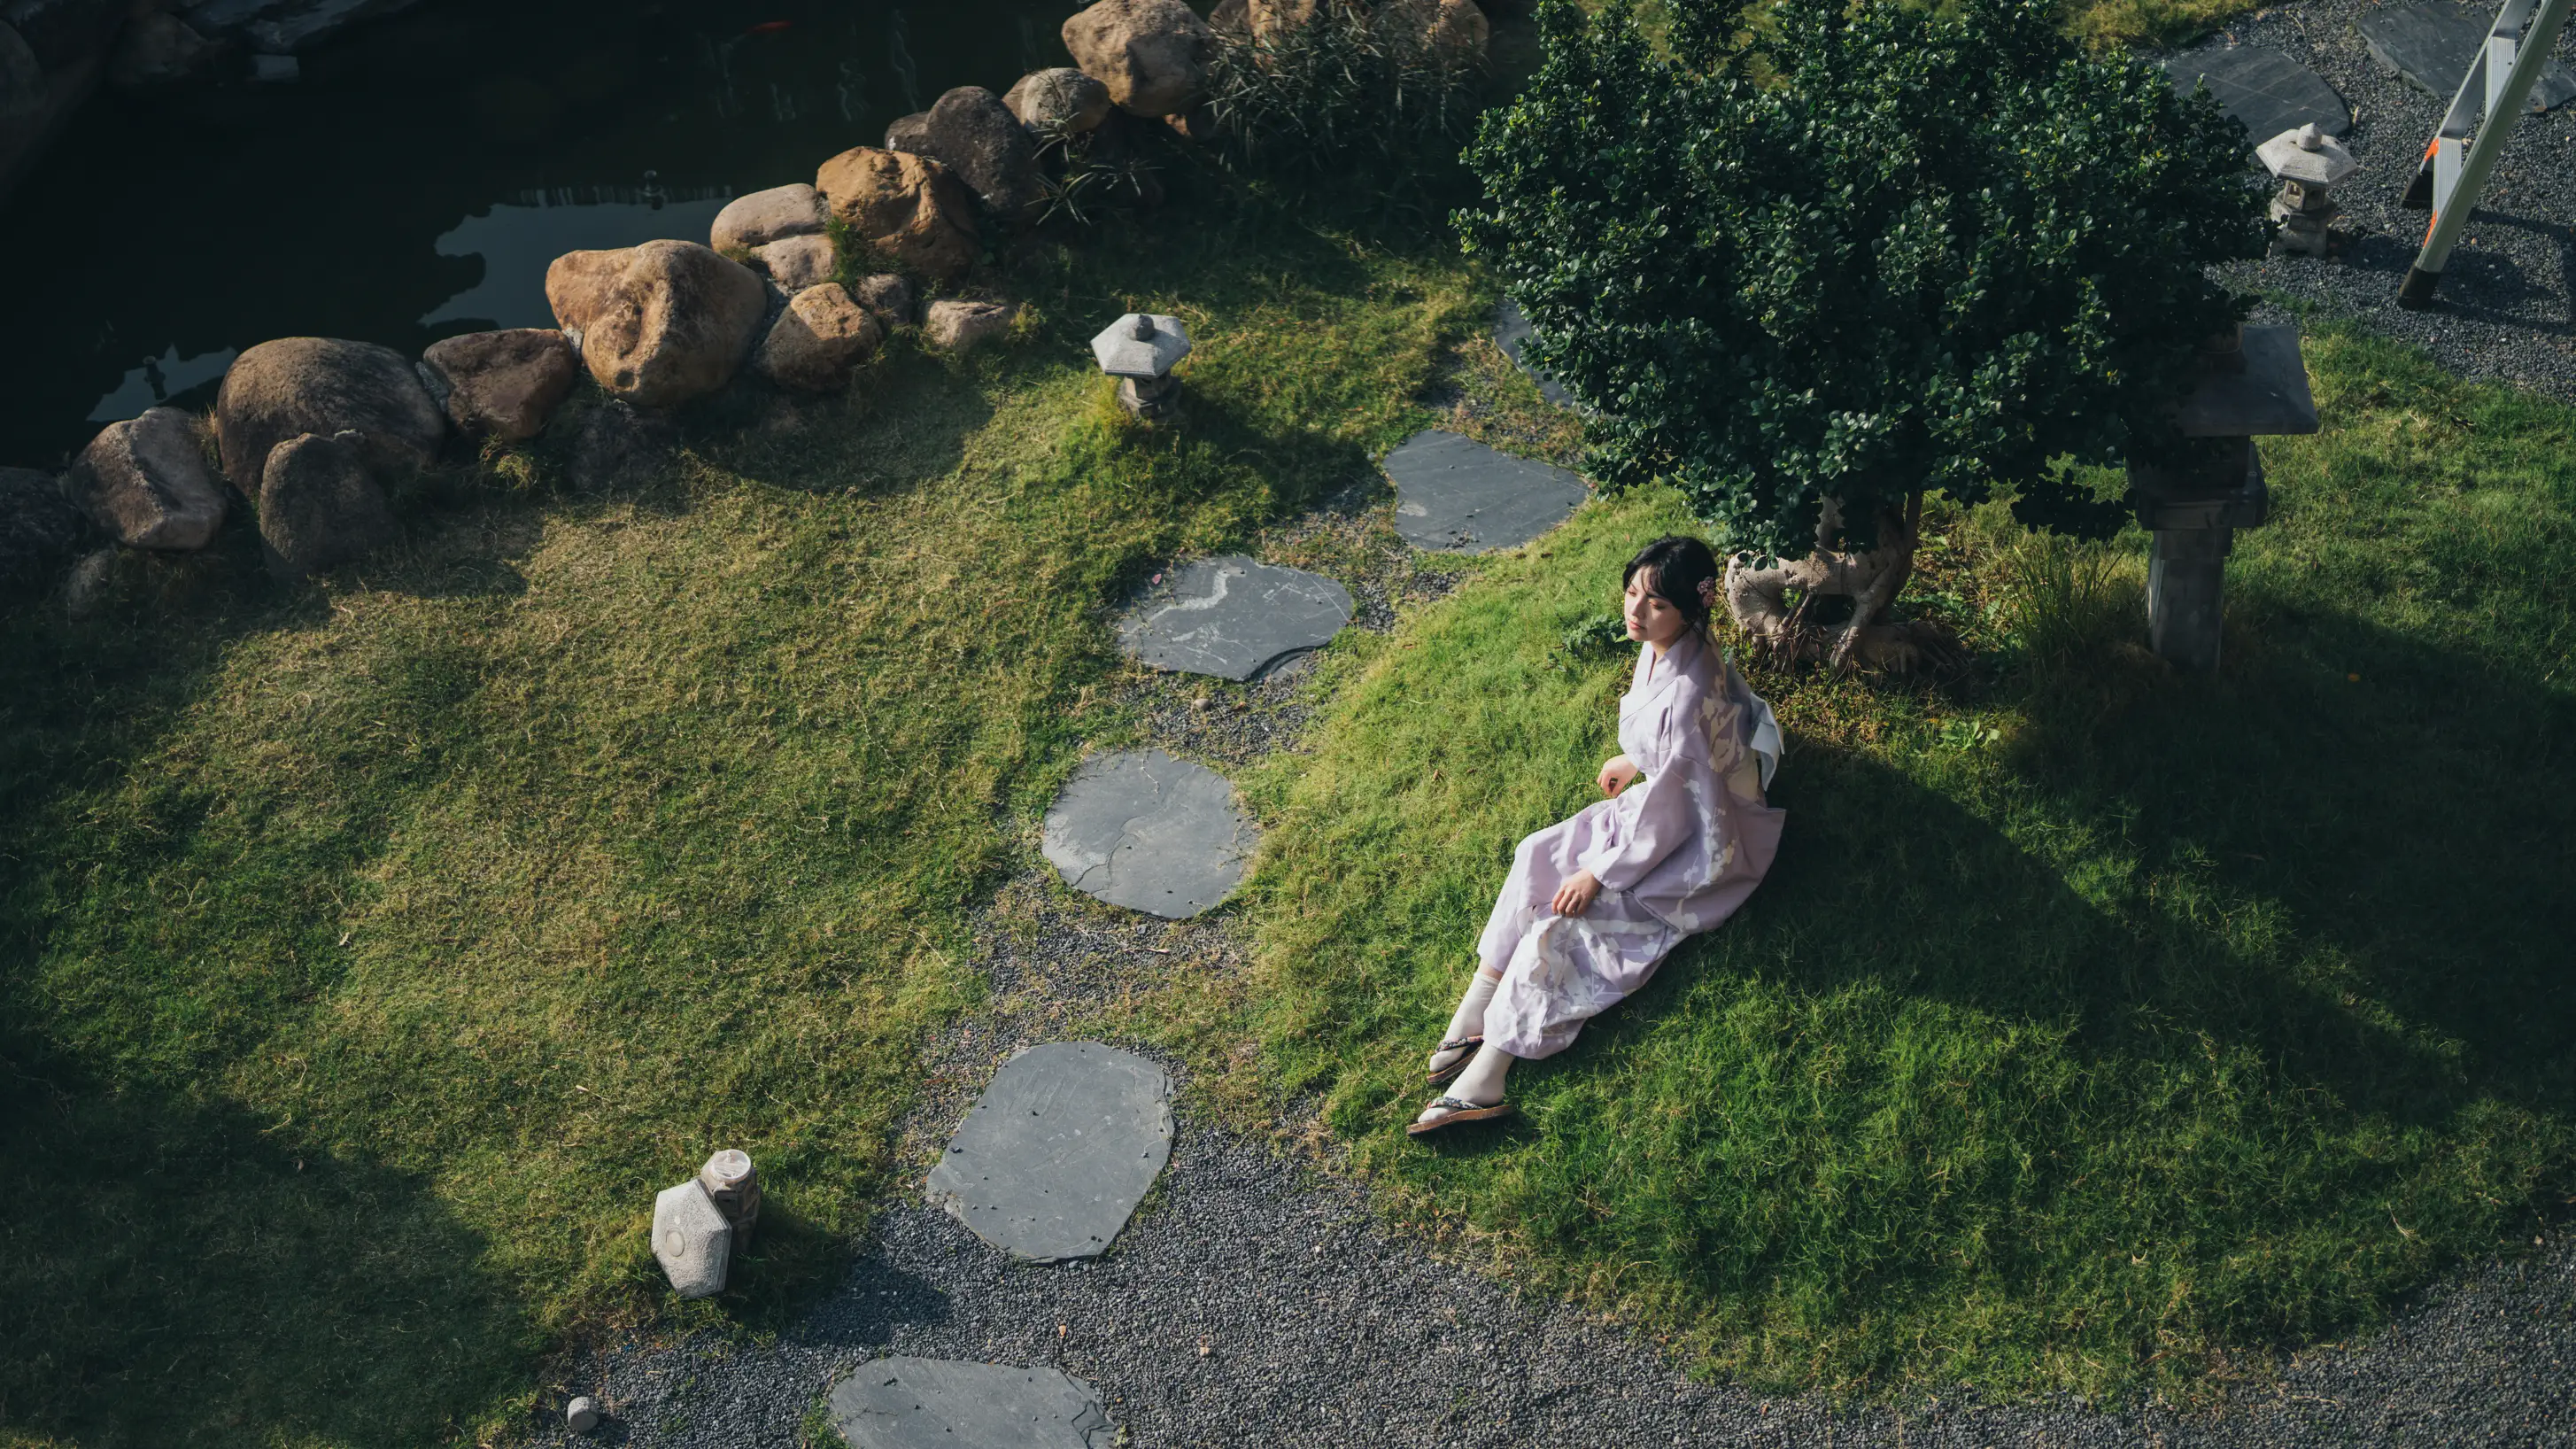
<point x="1595" y="903"/>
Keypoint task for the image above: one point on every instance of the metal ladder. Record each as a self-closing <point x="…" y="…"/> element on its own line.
<point x="2455" y="167"/>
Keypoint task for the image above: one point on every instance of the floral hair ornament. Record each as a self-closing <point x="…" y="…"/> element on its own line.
<point x="1708" y="593"/>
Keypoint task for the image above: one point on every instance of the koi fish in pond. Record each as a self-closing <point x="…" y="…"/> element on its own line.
<point x="769" y="27"/>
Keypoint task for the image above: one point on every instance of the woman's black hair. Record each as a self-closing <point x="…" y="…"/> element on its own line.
<point x="1681" y="564"/>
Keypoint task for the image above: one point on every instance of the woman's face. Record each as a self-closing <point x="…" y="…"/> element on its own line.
<point x="1651" y="619"/>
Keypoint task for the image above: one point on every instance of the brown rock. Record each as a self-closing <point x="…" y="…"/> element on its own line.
<point x="1062" y="100"/>
<point x="1271" y="18"/>
<point x="1231" y="18"/>
<point x="906" y="206"/>
<point x="1460" y="31"/>
<point x="887" y="297"/>
<point x="325" y="386"/>
<point x="815" y="342"/>
<point x="750" y="222"/>
<point x="504" y="384"/>
<point x="797" y="262"/>
<point x="975" y="136"/>
<point x="1151" y="54"/>
<point x="146" y="482"/>
<point x="658" y="324"/>
<point x="954" y="326"/>
<point x="320" y="505"/>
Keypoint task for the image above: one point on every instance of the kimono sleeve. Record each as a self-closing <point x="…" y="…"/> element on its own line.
<point x="1666" y="819"/>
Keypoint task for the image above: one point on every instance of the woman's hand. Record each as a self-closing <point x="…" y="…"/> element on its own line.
<point x="1575" y="896"/>
<point x="1617" y="773"/>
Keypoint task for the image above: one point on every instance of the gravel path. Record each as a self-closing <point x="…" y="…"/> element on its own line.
<point x="2505" y="309"/>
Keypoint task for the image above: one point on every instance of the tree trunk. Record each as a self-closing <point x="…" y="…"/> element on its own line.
<point x="1758" y="599"/>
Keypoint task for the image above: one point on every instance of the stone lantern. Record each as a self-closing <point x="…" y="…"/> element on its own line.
<point x="2256" y="385"/>
<point x="1140" y="351"/>
<point x="2309" y="164"/>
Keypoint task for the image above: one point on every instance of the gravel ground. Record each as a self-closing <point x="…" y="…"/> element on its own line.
<point x="2505" y="308"/>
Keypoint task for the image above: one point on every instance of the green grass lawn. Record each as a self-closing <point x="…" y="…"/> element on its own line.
<point x="2098" y="1028"/>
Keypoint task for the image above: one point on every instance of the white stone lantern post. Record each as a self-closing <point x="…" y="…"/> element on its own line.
<point x="2309" y="164"/>
<point x="1140" y="351"/>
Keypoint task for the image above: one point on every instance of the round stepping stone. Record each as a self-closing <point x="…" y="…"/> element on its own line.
<point x="1234" y="618"/>
<point x="918" y="1403"/>
<point x="2432" y="45"/>
<point x="1144" y="830"/>
<point x="2263" y="89"/>
<point x="1456" y="494"/>
<point x="1511" y="331"/>
<point x="1058" y="1151"/>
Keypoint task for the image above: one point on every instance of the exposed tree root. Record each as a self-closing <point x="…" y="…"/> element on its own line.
<point x="1758" y="600"/>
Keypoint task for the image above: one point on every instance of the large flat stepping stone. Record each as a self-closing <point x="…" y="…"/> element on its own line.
<point x="1456" y="494"/>
<point x="1144" y="830"/>
<point x="1234" y="618"/>
<point x="1058" y="1151"/>
<point x="935" y="1403"/>
<point x="2262" y="88"/>
<point x="1511" y="333"/>
<point x="2431" y="45"/>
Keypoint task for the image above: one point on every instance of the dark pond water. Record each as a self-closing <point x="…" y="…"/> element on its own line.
<point x="417" y="179"/>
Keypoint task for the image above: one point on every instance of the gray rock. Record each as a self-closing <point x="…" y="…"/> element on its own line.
<point x="1056" y="1154"/>
<point x="1457" y="494"/>
<point x="2266" y="91"/>
<point x="750" y="222"/>
<point x="2431" y="45"/>
<point x="320" y="506"/>
<point x="797" y="262"/>
<point x="929" y="1403"/>
<point x="40" y="529"/>
<point x="621" y="447"/>
<point x="324" y="386"/>
<point x="1233" y="617"/>
<point x="22" y="77"/>
<point x="157" y="50"/>
<point x="1144" y="830"/>
<point x="888" y="297"/>
<point x="65" y="34"/>
<point x="582" y="1414"/>
<point x="1061" y="100"/>
<point x="972" y="133"/>
<point x="956" y="325"/>
<point x="275" y="69"/>
<point x="146" y="482"/>
<point x="1511" y="333"/>
<point x="909" y="133"/>
<point x="692" y="1240"/>
<point x="288" y="27"/>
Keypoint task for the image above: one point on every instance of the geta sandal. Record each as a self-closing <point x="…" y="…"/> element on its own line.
<point x="1465" y="1047"/>
<point x="1459" y="1111"/>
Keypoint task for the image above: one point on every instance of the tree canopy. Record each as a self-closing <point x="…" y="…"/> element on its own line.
<point x="1859" y="251"/>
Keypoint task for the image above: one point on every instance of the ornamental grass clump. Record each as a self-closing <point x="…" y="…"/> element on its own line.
<point x="1813" y="271"/>
<point x="1321" y="85"/>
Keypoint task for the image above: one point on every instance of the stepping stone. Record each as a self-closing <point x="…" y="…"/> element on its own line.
<point x="1152" y="833"/>
<point x="2432" y="45"/>
<point x="1511" y="330"/>
<point x="1058" y="1151"/>
<point x="919" y="1403"/>
<point x="2262" y="88"/>
<point x="1457" y="494"/>
<point x="1233" y="618"/>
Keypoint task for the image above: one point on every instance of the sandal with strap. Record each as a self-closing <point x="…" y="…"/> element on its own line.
<point x="1454" y="1111"/>
<point x="1465" y="1047"/>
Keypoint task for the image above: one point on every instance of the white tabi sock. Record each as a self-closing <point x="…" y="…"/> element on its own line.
<point x="1469" y="1019"/>
<point x="1482" y="1082"/>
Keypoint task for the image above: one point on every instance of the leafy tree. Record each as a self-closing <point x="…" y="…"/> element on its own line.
<point x="1811" y="270"/>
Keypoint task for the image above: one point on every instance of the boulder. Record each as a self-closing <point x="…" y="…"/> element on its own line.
<point x="1271" y="18"/>
<point x="888" y="298"/>
<point x="975" y="136"/>
<point x="158" y="49"/>
<point x="909" y="133"/>
<point x="1459" y="32"/>
<point x="658" y="324"/>
<point x="40" y="530"/>
<point x="320" y="505"/>
<point x="749" y="223"/>
<point x="1231" y="18"/>
<point x="692" y="1240"/>
<point x="1152" y="54"/>
<point x="502" y="384"/>
<point x="955" y="326"/>
<point x="815" y="342"/>
<point x="907" y="206"/>
<point x="325" y="386"/>
<point x="621" y="447"/>
<point x="798" y="262"/>
<point x="1062" y="100"/>
<point x="146" y="482"/>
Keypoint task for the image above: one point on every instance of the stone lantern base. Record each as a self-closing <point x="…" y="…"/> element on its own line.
<point x="2307" y="215"/>
<point x="1153" y="399"/>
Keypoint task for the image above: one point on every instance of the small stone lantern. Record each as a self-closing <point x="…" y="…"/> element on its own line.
<point x="2254" y="385"/>
<point x="2309" y="164"/>
<point x="1140" y="351"/>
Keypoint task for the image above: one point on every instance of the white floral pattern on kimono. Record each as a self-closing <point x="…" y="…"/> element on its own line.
<point x="1675" y="852"/>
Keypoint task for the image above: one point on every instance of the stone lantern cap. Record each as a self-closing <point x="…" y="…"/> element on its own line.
<point x="2307" y="156"/>
<point x="1141" y="345"/>
<point x="2269" y="397"/>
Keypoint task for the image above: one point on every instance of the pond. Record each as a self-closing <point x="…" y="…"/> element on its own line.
<point x="418" y="176"/>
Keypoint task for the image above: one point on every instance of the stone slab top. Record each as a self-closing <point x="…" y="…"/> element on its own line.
<point x="1052" y="1159"/>
<point x="2268" y="398"/>
<point x="1456" y="494"/>
<point x="2432" y="44"/>
<point x="1151" y="832"/>
<point x="1511" y="333"/>
<point x="931" y="1403"/>
<point x="1233" y="617"/>
<point x="2263" y="89"/>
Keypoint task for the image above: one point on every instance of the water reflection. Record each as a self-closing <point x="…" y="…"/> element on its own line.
<point x="516" y="242"/>
<point x="161" y="380"/>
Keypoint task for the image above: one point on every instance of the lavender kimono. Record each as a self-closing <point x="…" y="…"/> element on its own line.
<point x="1675" y="852"/>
